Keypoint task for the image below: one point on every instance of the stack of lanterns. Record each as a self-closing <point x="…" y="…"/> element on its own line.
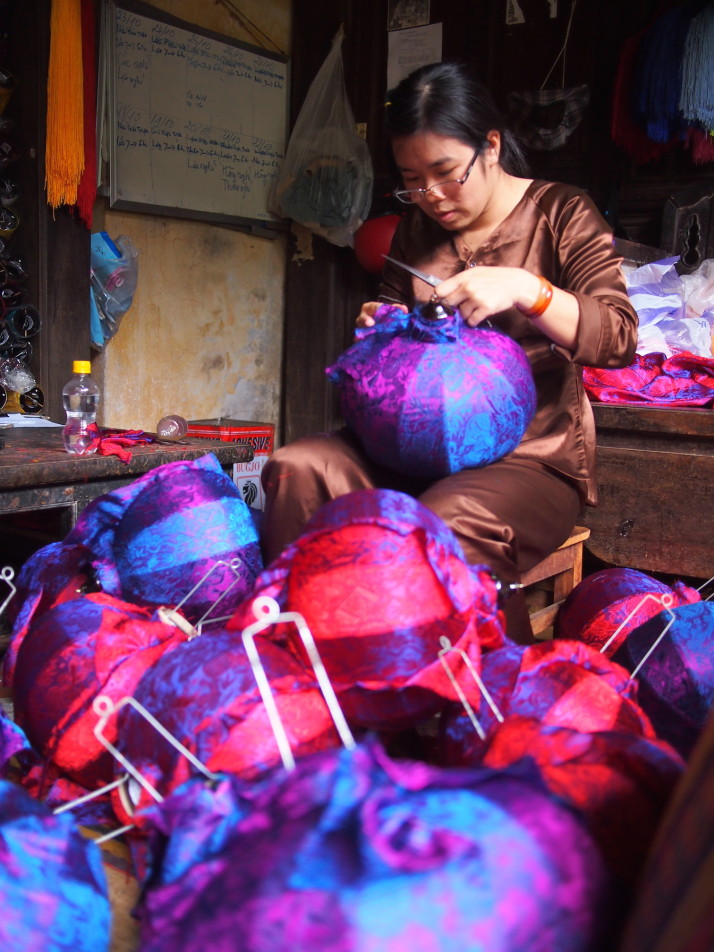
<point x="352" y="716"/>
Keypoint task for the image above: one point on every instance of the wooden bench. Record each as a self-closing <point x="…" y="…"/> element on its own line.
<point x="548" y="583"/>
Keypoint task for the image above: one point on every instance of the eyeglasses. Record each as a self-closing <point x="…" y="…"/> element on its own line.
<point x="448" y="189"/>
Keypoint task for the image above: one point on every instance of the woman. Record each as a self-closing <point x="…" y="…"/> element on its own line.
<point x="534" y="258"/>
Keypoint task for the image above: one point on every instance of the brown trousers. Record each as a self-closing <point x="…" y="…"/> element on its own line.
<point x="508" y="515"/>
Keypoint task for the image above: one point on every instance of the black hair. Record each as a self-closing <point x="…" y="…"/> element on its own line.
<point x="449" y="100"/>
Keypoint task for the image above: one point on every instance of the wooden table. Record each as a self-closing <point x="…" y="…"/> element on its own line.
<point x="656" y="478"/>
<point x="39" y="479"/>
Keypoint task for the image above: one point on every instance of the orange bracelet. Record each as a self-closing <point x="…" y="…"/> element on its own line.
<point x="545" y="296"/>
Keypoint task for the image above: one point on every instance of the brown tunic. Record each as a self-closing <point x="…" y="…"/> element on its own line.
<point x="555" y="231"/>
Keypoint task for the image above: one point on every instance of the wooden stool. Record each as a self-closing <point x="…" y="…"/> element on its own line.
<point x="561" y="571"/>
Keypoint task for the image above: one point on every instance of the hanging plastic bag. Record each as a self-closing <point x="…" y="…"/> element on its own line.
<point x="113" y="275"/>
<point x="326" y="178"/>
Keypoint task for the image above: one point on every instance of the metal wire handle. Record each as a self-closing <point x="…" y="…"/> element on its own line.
<point x="267" y="612"/>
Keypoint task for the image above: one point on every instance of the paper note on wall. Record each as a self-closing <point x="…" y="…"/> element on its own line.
<point x="410" y="49"/>
<point x="514" y="13"/>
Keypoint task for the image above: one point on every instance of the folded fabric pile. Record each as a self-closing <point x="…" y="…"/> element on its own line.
<point x="684" y="380"/>
<point x="674" y="363"/>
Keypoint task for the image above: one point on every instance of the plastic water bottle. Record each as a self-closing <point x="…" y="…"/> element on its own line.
<point x="81" y="398"/>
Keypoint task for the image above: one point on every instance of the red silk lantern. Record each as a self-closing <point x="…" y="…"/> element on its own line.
<point x="373" y="239"/>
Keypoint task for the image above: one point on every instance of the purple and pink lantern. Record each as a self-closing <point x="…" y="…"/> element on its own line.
<point x="607" y="605"/>
<point x="429" y="397"/>
<point x="380" y="580"/>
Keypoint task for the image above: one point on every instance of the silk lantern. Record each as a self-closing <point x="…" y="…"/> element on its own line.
<point x="380" y="580"/>
<point x="671" y="656"/>
<point x="559" y="683"/>
<point x="56" y="573"/>
<point x="73" y="652"/>
<point x="205" y="695"/>
<point x="171" y="536"/>
<point x="54" y="887"/>
<point x="618" y="780"/>
<point x="353" y="851"/>
<point x="607" y="605"/>
<point x="429" y="397"/>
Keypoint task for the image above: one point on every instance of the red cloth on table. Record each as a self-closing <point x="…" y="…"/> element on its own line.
<point x="683" y="380"/>
<point x="116" y="442"/>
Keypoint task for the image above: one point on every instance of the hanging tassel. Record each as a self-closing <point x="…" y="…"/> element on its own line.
<point x="626" y="131"/>
<point x="87" y="191"/>
<point x="657" y="83"/>
<point x="697" y="97"/>
<point x="64" y="150"/>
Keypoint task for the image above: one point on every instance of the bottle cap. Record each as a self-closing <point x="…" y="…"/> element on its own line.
<point x="81" y="366"/>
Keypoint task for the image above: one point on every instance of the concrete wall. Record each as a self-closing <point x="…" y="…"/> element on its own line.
<point x="203" y="337"/>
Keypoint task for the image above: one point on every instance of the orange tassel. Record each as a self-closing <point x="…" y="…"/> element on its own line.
<point x="64" y="149"/>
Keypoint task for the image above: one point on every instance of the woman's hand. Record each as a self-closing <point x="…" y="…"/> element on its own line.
<point x="365" y="318"/>
<point x="481" y="292"/>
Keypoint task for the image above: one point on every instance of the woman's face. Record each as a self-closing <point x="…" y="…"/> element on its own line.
<point x="426" y="159"/>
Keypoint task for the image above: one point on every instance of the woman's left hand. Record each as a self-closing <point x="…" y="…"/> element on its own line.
<point x="481" y="292"/>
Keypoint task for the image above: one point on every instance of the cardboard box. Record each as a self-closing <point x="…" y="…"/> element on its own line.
<point x="261" y="437"/>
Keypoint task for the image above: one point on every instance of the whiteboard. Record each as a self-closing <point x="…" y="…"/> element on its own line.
<point x="197" y="122"/>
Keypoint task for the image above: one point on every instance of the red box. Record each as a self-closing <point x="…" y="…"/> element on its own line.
<point x="261" y="437"/>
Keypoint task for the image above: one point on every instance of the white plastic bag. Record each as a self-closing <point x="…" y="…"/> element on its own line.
<point x="676" y="311"/>
<point x="325" y="182"/>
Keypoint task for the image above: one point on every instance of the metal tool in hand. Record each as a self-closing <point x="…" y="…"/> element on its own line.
<point x="433" y="281"/>
<point x="422" y="275"/>
<point x="436" y="309"/>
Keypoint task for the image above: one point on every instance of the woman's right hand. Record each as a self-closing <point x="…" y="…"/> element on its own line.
<point x="365" y="318"/>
